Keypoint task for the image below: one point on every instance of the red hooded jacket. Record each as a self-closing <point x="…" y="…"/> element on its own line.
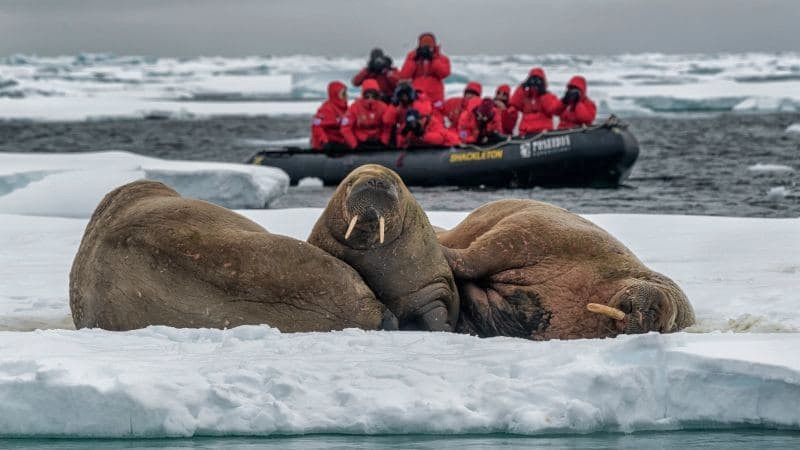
<point x="537" y="110"/>
<point x="508" y="114"/>
<point x="325" y="124"/>
<point x="581" y="113"/>
<point x="427" y="75"/>
<point x="435" y="133"/>
<point x="469" y="129"/>
<point x="364" y="119"/>
<point x="387" y="81"/>
<point x="455" y="105"/>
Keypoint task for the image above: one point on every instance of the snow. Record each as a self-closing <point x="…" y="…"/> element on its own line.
<point x="738" y="367"/>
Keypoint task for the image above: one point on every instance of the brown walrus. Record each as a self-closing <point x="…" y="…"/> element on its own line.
<point x="151" y="257"/>
<point x="530" y="269"/>
<point x="373" y="223"/>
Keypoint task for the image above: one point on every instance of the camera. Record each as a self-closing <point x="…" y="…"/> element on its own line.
<point x="424" y="52"/>
<point x="379" y="64"/>
<point x="535" y="82"/>
<point x="413" y="124"/>
<point x="572" y="96"/>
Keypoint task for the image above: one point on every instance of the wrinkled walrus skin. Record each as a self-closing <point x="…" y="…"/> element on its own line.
<point x="407" y="271"/>
<point x="529" y="269"/>
<point x="151" y="257"/>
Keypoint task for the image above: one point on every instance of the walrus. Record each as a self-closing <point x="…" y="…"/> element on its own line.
<point x="530" y="269"/>
<point x="151" y="257"/>
<point x="373" y="223"/>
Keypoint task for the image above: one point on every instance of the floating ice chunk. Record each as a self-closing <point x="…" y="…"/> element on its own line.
<point x="766" y="104"/>
<point x="71" y="185"/>
<point x="793" y="128"/>
<point x="770" y="168"/>
<point x="310" y="182"/>
<point x="777" y="193"/>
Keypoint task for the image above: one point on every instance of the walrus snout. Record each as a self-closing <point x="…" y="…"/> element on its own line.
<point x="640" y="308"/>
<point x="368" y="205"/>
<point x="372" y="192"/>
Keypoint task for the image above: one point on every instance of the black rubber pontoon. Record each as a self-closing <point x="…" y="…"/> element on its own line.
<point x="599" y="156"/>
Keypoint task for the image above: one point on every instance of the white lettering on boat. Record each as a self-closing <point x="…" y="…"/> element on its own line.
<point x="555" y="144"/>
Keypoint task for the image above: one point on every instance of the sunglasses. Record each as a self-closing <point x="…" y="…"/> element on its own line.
<point x="470" y="91"/>
<point x="371" y="94"/>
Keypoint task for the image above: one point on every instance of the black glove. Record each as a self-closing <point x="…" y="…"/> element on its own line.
<point x="571" y="97"/>
<point x="536" y="83"/>
<point x="424" y="52"/>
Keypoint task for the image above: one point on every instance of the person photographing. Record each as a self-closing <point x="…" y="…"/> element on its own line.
<point x="379" y="68"/>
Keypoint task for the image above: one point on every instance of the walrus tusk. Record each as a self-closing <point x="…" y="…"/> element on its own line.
<point x="382" y="223"/>
<point x="613" y="313"/>
<point x="351" y="226"/>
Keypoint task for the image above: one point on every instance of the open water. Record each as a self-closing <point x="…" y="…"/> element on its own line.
<point x="728" y="164"/>
<point x="707" y="440"/>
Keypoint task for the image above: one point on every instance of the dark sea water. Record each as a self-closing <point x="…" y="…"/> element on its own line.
<point x="707" y="440"/>
<point x="688" y="164"/>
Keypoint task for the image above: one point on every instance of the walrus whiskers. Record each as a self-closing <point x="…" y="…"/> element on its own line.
<point x="351" y="226"/>
<point x="608" y="311"/>
<point x="382" y="223"/>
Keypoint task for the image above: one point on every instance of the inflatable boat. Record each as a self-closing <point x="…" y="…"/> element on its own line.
<point x="597" y="156"/>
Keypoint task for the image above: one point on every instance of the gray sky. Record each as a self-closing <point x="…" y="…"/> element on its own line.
<point x="188" y="28"/>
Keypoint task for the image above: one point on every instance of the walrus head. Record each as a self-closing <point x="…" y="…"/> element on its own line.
<point x="373" y="223"/>
<point x="371" y="196"/>
<point x="641" y="306"/>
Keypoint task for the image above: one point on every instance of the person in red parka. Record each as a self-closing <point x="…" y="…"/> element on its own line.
<point x="453" y="107"/>
<point x="508" y="114"/>
<point x="404" y="96"/>
<point x="363" y="124"/>
<point x="427" y="67"/>
<point x="379" y="68"/>
<point x="325" y="131"/>
<point x="420" y="127"/>
<point x="537" y="105"/>
<point x="480" y="123"/>
<point x="576" y="108"/>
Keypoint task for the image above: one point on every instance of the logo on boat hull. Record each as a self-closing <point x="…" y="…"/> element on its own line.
<point x="555" y="144"/>
<point x="476" y="156"/>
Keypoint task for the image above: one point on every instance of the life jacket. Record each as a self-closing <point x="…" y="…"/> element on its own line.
<point x="364" y="120"/>
<point x="508" y="114"/>
<point x="537" y="109"/>
<point x="427" y="75"/>
<point x="470" y="129"/>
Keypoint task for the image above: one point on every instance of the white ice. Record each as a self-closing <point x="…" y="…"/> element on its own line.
<point x="61" y="184"/>
<point x="738" y="366"/>
<point x="98" y="85"/>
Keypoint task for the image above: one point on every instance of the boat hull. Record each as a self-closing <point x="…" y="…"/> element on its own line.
<point x="596" y="157"/>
